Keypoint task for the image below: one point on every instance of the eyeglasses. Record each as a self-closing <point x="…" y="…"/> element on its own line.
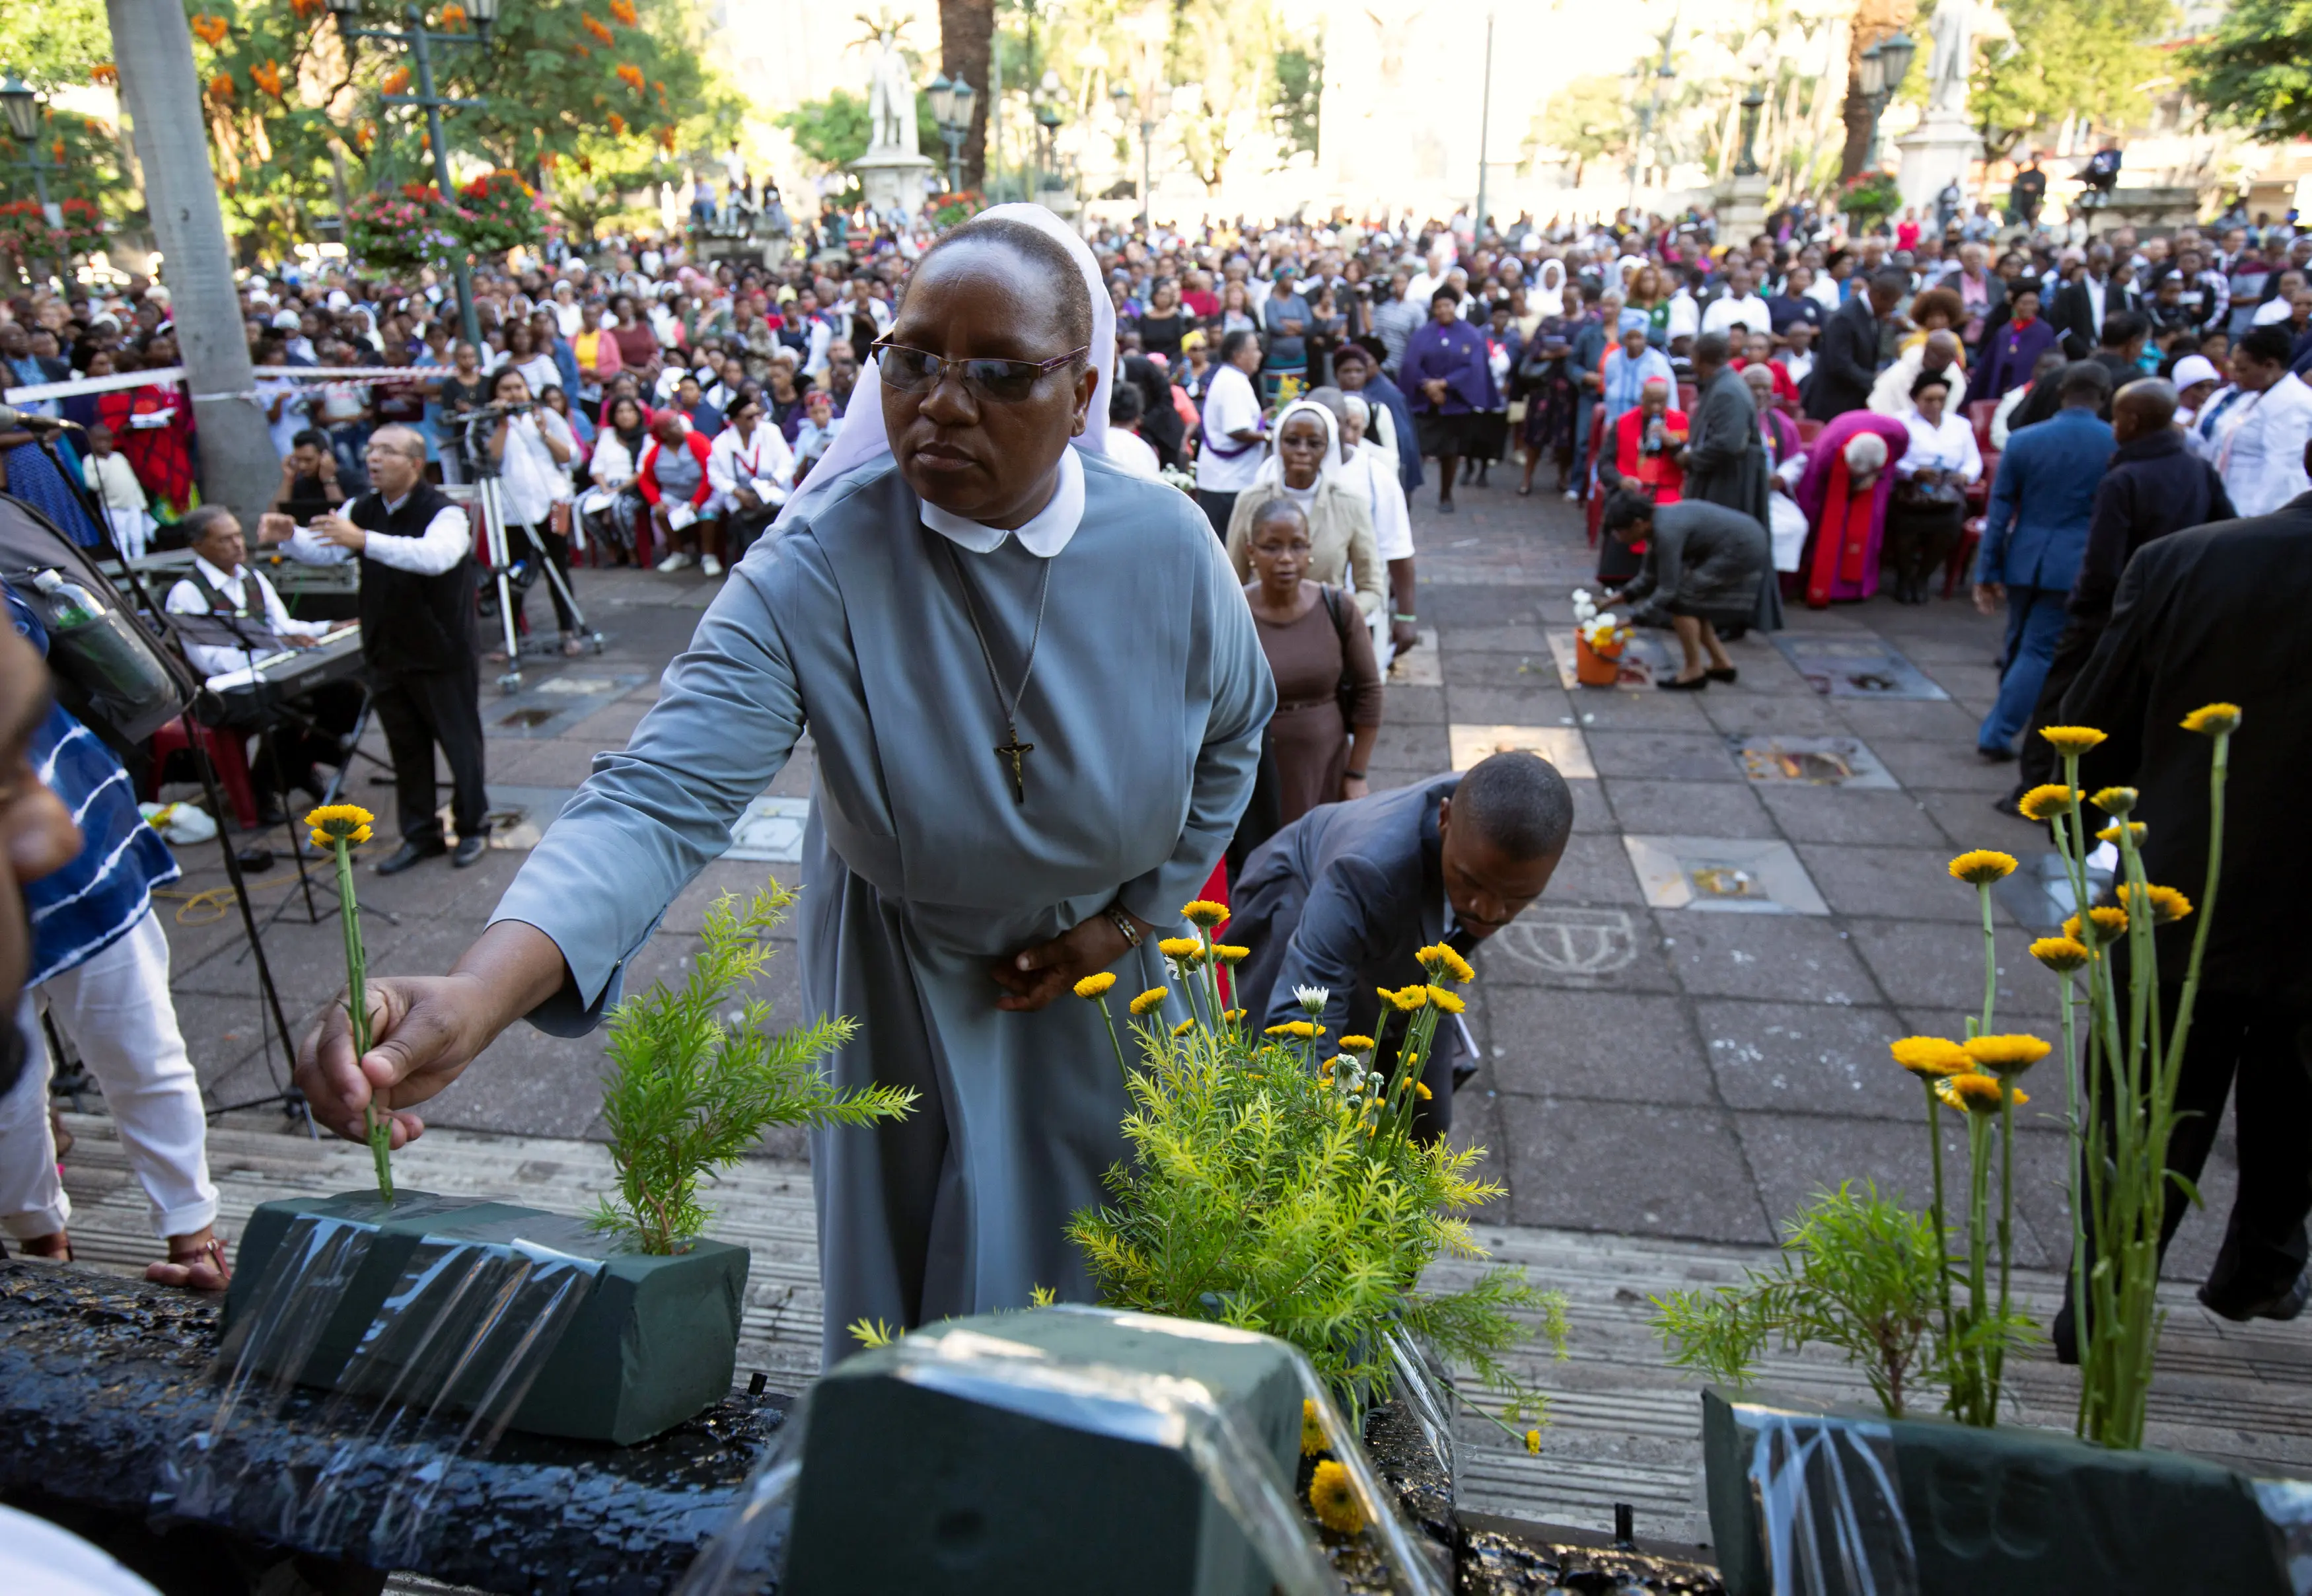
<point x="1006" y="382"/>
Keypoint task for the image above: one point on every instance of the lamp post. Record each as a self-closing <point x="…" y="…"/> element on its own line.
<point x="419" y="40"/>
<point x="1048" y="128"/>
<point x="1652" y="110"/>
<point x="951" y="110"/>
<point x="1884" y="67"/>
<point x="1154" y="105"/>
<point x="22" y="108"/>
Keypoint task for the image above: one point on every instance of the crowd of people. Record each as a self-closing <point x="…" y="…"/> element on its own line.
<point x="1787" y="417"/>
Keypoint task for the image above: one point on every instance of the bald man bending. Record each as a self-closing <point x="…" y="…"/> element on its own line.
<point x="2155" y="485"/>
<point x="417" y="582"/>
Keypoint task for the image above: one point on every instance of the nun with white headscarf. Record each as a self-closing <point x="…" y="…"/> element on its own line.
<point x="1304" y="466"/>
<point x="1035" y="698"/>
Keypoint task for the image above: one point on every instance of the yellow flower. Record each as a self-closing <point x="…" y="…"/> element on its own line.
<point x="2005" y="1055"/>
<point x="325" y="840"/>
<point x="339" y="819"/>
<point x="2045" y="803"/>
<point x="1205" y="912"/>
<point x="1283" y="1028"/>
<point x="1228" y="954"/>
<point x="2113" y="801"/>
<point x="1306" y="1030"/>
<point x="1357" y="1044"/>
<point x="1450" y="1003"/>
<point x="2136" y="832"/>
<point x="1973" y="1093"/>
<point x="2110" y="923"/>
<point x="1181" y="947"/>
<point x="1233" y="1016"/>
<point x="2212" y="720"/>
<point x="1183" y="1027"/>
<point x="1455" y="965"/>
<point x="2167" y="903"/>
<point x="1152" y="998"/>
<point x="2062" y="954"/>
<point x="1335" y="1499"/>
<point x="1312" y="1430"/>
<point x="2072" y="740"/>
<point x="1979" y="867"/>
<point x="1409" y="998"/>
<point x="1929" y="1055"/>
<point x="1095" y="985"/>
<point x="1533" y="1442"/>
<point x="1423" y="1093"/>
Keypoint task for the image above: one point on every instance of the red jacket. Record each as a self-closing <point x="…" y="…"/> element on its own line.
<point x="646" y="478"/>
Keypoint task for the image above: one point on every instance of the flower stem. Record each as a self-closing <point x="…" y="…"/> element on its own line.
<point x="380" y="1130"/>
<point x="1942" y="1225"/>
<point x="1122" y="1068"/>
<point x="1990" y="959"/>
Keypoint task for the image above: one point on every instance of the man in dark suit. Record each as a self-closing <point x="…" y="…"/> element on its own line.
<point x="1847" y="362"/>
<point x="1343" y="897"/>
<point x="2216" y="614"/>
<point x="1725" y="460"/>
<point x="2084" y="303"/>
<point x="2154" y="486"/>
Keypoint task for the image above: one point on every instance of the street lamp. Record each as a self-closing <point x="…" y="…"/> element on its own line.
<point x="1154" y="106"/>
<point x="951" y="110"/>
<point x="1047" y="127"/>
<point x="419" y="41"/>
<point x="24" y="109"/>
<point x="1883" y="67"/>
<point x="21" y="106"/>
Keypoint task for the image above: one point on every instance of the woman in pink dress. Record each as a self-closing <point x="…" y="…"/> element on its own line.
<point x="1845" y="503"/>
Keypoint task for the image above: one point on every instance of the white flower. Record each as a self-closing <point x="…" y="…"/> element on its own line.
<point x="1313" y="999"/>
<point x="1582" y="595"/>
<point x="1609" y="620"/>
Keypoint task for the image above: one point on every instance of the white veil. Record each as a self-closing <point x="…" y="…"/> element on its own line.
<point x="1548" y="296"/>
<point x="861" y="442"/>
<point x="1271" y="469"/>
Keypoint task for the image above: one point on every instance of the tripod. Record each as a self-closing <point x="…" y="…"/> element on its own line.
<point x="291" y="1100"/>
<point x="487" y="474"/>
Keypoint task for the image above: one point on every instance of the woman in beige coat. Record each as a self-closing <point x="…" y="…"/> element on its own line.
<point x="1305" y="469"/>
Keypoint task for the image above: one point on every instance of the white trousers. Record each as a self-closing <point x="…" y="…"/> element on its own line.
<point x="115" y="1009"/>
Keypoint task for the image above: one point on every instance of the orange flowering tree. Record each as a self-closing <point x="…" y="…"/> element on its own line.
<point x="53" y="46"/>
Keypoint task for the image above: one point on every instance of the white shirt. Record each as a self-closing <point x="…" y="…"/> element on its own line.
<point x="1948" y="447"/>
<point x="1131" y="450"/>
<point x="1684" y="316"/>
<point x="114" y="482"/>
<point x="2271" y="311"/>
<point x="764" y="464"/>
<point x="2095" y="291"/>
<point x="1720" y="314"/>
<point x="1799" y="366"/>
<point x="1372" y="474"/>
<point x="211" y="659"/>
<point x="293" y="414"/>
<point x="1823" y="290"/>
<point x="570" y="317"/>
<point x="530" y="478"/>
<point x="2261" y="459"/>
<point x="447" y="539"/>
<point x="1046" y="533"/>
<point x="1230" y="405"/>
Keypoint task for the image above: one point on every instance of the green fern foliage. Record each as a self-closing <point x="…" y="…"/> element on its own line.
<point x="691" y="1088"/>
<point x="1263" y="1198"/>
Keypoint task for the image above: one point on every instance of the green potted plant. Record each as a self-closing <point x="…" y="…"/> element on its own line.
<point x="691" y="1088"/>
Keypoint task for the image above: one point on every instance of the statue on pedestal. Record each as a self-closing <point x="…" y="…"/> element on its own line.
<point x="1952" y="60"/>
<point x="890" y="100"/>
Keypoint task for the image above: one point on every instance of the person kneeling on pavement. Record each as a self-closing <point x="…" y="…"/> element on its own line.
<point x="1707" y="569"/>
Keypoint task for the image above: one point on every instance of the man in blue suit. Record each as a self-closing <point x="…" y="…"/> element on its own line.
<point x="1342" y="898"/>
<point x="2033" y="538"/>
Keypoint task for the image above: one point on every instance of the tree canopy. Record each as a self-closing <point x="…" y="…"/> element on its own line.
<point x="2089" y="59"/>
<point x="1588" y="119"/>
<point x="2256" y="71"/>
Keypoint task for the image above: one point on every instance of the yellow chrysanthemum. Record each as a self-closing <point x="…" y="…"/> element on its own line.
<point x="1973" y="1093"/>
<point x="1094" y="986"/>
<point x="2005" y="1055"/>
<point x="1929" y="1055"/>
<point x="1205" y="912"/>
<point x="1356" y="1043"/>
<point x="1409" y="998"/>
<point x="2109" y="924"/>
<point x="2045" y="803"/>
<point x="2167" y="903"/>
<point x="2136" y="832"/>
<point x="2114" y="800"/>
<point x="1533" y="1442"/>
<point x="1306" y="1030"/>
<point x="2062" y="954"/>
<point x="1183" y="1027"/>
<point x="338" y="819"/>
<point x="1312" y="1430"/>
<point x="2072" y="740"/>
<point x="1229" y="953"/>
<point x="1233" y="1016"/>
<point x="1421" y="1091"/>
<point x="1979" y="867"/>
<point x="1450" y="1002"/>
<point x="2212" y="720"/>
<point x="1335" y="1499"/>
<point x="1456" y="966"/>
<point x="1181" y="947"/>
<point x="1152" y="998"/>
<point x="1283" y="1028"/>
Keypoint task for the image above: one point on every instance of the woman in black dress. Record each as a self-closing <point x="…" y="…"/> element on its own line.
<point x="1161" y="329"/>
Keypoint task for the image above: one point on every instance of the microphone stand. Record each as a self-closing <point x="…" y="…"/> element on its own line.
<point x="291" y="1100"/>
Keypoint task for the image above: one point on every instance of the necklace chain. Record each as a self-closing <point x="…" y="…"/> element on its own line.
<point x="1015" y="749"/>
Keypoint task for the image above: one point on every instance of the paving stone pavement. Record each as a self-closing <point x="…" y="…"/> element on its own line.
<point x="1664" y="1056"/>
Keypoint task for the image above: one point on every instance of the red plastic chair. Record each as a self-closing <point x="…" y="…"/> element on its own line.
<point x="1978" y="416"/>
<point x="225" y="752"/>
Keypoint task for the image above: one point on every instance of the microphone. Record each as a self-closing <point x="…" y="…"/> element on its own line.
<point x="10" y="416"/>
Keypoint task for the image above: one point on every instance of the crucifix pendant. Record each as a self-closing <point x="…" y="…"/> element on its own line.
<point x="1015" y="751"/>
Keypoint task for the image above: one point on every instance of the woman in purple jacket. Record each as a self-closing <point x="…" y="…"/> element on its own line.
<point x="1446" y="376"/>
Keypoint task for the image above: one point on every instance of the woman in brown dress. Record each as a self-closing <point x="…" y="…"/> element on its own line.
<point x="1328" y="691"/>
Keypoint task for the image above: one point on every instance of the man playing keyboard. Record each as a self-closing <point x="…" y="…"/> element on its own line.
<point x="245" y="622"/>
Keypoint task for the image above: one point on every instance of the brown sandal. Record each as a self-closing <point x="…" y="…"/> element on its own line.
<point x="38" y="1247"/>
<point x="210" y="1252"/>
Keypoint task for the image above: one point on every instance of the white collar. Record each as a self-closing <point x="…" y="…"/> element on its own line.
<point x="1046" y="533"/>
<point x="217" y="577"/>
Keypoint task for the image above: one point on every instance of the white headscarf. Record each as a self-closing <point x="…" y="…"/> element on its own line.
<point x="862" y="440"/>
<point x="1271" y="469"/>
<point x="1550" y="297"/>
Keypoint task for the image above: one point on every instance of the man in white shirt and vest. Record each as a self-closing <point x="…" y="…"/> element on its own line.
<point x="417" y="583"/>
<point x="1229" y="454"/>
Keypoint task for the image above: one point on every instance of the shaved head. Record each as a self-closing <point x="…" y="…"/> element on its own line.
<point x="2143" y="409"/>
